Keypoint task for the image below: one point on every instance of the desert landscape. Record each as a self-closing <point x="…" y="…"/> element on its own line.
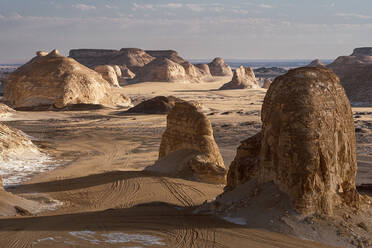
<point x="170" y="155"/>
<point x="185" y="124"/>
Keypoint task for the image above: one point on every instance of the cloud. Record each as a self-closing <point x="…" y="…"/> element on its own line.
<point x="83" y="7"/>
<point x="353" y="15"/>
<point x="265" y="6"/>
<point x="136" y="6"/>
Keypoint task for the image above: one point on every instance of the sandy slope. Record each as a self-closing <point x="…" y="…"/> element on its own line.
<point x="108" y="201"/>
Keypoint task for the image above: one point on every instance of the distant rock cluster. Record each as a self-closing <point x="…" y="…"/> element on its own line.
<point x="156" y="105"/>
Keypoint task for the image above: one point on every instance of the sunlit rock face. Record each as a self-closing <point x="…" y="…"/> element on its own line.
<point x="54" y="80"/>
<point x="189" y="135"/>
<point x="162" y="70"/>
<point x="307" y="143"/>
<point x="109" y="74"/>
<point x="243" y="78"/>
<point x="218" y="67"/>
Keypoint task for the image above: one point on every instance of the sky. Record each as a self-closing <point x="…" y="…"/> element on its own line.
<point x="197" y="29"/>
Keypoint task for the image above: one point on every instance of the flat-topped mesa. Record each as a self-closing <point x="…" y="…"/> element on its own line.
<point x="362" y="51"/>
<point x="316" y="63"/>
<point x="218" y="67"/>
<point x="355" y="76"/>
<point x="307" y="145"/>
<point x="109" y="74"/>
<point x="161" y="70"/>
<point x="169" y="54"/>
<point x="133" y="58"/>
<point x="243" y="78"/>
<point x="188" y="148"/>
<point x="54" y="80"/>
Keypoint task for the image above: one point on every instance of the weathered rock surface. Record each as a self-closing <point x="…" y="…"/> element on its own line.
<point x="362" y="51"/>
<point x="316" y="63"/>
<point x="126" y="72"/>
<point x="243" y="78"/>
<point x="218" y="67"/>
<point x="188" y="148"/>
<point x="269" y="72"/>
<point x="5" y="110"/>
<point x="162" y="70"/>
<point x="133" y="58"/>
<point x="169" y="54"/>
<point x="266" y="84"/>
<point x="156" y="105"/>
<point x="109" y="74"/>
<point x="204" y="69"/>
<point x="193" y="73"/>
<point x="54" y="80"/>
<point x="117" y="70"/>
<point x="354" y="75"/>
<point x="307" y="143"/>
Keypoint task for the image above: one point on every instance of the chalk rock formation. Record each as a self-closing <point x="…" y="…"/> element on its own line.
<point x="126" y="72"/>
<point x="156" y="105"/>
<point x="54" y="80"/>
<point x="316" y="63"/>
<point x="204" y="69"/>
<point x="243" y="78"/>
<point x="109" y="74"/>
<point x="5" y="110"/>
<point x="266" y="84"/>
<point x="117" y="70"/>
<point x="193" y="73"/>
<point x="162" y="70"/>
<point x="307" y="144"/>
<point x="169" y="54"/>
<point x="188" y="148"/>
<point x="218" y="67"/>
<point x="133" y="58"/>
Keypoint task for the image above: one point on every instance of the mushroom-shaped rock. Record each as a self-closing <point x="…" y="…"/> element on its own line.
<point x="109" y="74"/>
<point x="162" y="70"/>
<point x="218" y="67"/>
<point x="188" y="148"/>
<point x="316" y="63"/>
<point x="307" y="144"/>
<point x="54" y="80"/>
<point x="243" y="78"/>
<point x="266" y="84"/>
<point x="156" y="105"/>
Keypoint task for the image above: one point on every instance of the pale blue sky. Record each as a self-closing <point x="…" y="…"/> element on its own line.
<point x="241" y="29"/>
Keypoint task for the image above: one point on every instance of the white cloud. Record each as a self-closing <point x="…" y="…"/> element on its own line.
<point x="195" y="7"/>
<point x="353" y="15"/>
<point x="265" y="6"/>
<point x="83" y="7"/>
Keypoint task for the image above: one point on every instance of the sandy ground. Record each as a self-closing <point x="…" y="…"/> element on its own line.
<point x="108" y="201"/>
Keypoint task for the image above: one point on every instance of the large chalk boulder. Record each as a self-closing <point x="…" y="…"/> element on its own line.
<point x="188" y="148"/>
<point x="109" y="74"/>
<point x="218" y="67"/>
<point x="54" y="80"/>
<point x="307" y="144"/>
